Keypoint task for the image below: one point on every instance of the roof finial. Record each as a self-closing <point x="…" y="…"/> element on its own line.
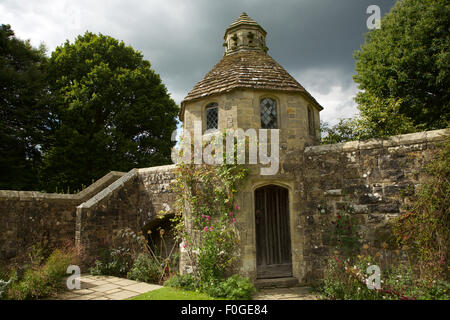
<point x="244" y="34"/>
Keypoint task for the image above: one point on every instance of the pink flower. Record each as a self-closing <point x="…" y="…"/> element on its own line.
<point x="211" y="228"/>
<point x="234" y="220"/>
<point x="206" y="229"/>
<point x="203" y="216"/>
<point x="237" y="207"/>
<point x="208" y="218"/>
<point x="231" y="214"/>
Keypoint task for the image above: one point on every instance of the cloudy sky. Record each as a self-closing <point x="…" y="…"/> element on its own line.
<point x="313" y="40"/>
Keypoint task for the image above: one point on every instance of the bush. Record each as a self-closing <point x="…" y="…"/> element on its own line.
<point x="234" y="287"/>
<point x="145" y="269"/>
<point x="98" y="268"/>
<point x="131" y="256"/>
<point x="440" y="290"/>
<point x="33" y="285"/>
<point x="184" y="281"/>
<point x="55" y="268"/>
<point x="118" y="260"/>
<point x="113" y="263"/>
<point x="43" y="281"/>
<point x="346" y="280"/>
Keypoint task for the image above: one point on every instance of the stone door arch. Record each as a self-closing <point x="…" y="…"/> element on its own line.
<point x="273" y="238"/>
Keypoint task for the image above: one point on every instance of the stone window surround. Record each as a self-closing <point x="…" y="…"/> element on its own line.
<point x="206" y="106"/>
<point x="278" y="106"/>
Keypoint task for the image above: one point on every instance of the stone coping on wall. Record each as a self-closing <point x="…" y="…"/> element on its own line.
<point x="166" y="168"/>
<point x="99" y="184"/>
<point x="400" y="140"/>
<point x="80" y="196"/>
<point x="119" y="183"/>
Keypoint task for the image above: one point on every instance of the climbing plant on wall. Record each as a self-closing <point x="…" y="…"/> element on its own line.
<point x="206" y="216"/>
<point x="425" y="228"/>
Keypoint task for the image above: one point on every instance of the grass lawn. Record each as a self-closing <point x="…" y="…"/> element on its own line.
<point x="168" y="293"/>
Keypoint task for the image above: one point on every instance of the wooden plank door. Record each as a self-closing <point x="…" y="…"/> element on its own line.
<point x="273" y="239"/>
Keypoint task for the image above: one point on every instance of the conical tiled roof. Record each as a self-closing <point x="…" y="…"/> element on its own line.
<point x="245" y="69"/>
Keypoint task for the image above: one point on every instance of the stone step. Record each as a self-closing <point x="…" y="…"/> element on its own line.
<point x="276" y="283"/>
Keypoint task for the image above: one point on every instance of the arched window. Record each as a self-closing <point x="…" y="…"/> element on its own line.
<point x="268" y="114"/>
<point x="212" y="116"/>
<point x="312" y="129"/>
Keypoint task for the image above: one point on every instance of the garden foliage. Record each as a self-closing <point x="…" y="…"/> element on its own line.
<point x="415" y="265"/>
<point x="131" y="256"/>
<point x="206" y="219"/>
<point x="425" y="228"/>
<point x="42" y="277"/>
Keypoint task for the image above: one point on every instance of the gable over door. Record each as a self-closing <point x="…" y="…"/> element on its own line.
<point x="273" y="239"/>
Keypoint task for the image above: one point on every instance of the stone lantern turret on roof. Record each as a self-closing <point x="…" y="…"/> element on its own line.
<point x="245" y="34"/>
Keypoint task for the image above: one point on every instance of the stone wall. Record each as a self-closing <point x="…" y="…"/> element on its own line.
<point x="130" y="202"/>
<point x="375" y="177"/>
<point x="28" y="218"/>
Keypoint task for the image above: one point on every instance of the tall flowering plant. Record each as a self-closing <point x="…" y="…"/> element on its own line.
<point x="206" y="216"/>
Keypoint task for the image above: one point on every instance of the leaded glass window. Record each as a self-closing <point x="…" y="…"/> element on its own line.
<point x="212" y="116"/>
<point x="268" y="114"/>
<point x="311" y="122"/>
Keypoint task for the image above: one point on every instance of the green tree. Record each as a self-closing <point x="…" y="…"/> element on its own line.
<point x="112" y="112"/>
<point x="381" y="118"/>
<point x="408" y="60"/>
<point x="343" y="131"/>
<point x="378" y="118"/>
<point x="23" y="110"/>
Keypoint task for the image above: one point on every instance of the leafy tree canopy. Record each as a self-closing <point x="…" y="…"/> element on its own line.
<point x="23" y="110"/>
<point x="378" y="118"/>
<point x="408" y="60"/>
<point x="111" y="112"/>
<point x="343" y="131"/>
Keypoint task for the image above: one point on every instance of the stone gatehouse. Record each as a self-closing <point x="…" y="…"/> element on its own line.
<point x="283" y="217"/>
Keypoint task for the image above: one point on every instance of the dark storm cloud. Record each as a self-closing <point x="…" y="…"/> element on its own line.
<point x="303" y="36"/>
<point x="313" y="39"/>
<point x="316" y="34"/>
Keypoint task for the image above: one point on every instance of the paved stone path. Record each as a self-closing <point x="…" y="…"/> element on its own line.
<point x="106" y="288"/>
<point x="294" y="293"/>
<point x="113" y="288"/>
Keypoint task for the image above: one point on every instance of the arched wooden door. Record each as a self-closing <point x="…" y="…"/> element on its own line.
<point x="273" y="238"/>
